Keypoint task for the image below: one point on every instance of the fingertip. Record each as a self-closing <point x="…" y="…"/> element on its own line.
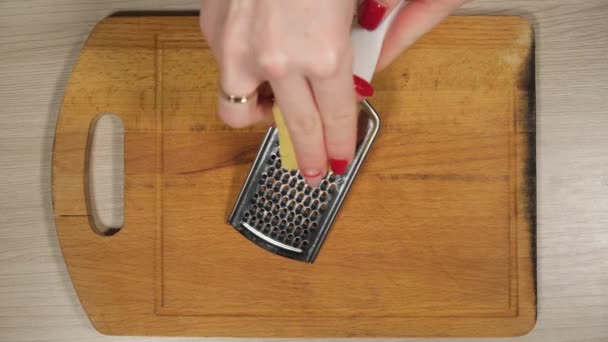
<point x="313" y="177"/>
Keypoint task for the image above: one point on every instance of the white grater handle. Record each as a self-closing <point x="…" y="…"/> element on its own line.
<point x="368" y="44"/>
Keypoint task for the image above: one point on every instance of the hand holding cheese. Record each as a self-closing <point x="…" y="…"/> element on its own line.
<point x="303" y="49"/>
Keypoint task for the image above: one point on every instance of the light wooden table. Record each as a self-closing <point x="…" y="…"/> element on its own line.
<point x="40" y="40"/>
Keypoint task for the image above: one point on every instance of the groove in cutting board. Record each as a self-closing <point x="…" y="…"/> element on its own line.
<point x="435" y="238"/>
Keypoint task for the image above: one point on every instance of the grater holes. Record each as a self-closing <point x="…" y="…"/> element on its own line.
<point x="297" y="242"/>
<point x="297" y="231"/>
<point x="276" y="197"/>
<point x="275" y="220"/>
<point x="332" y="188"/>
<point x="300" y="177"/>
<point x="293" y="182"/>
<point x="315" y="193"/>
<point x="301" y="186"/>
<point x="275" y="209"/>
<point x="269" y="194"/>
<point x="273" y="157"/>
<point x="282" y="224"/>
<point x="278" y="174"/>
<point x="307" y="190"/>
<point x="282" y="235"/>
<point x="324" y="185"/>
<point x="285" y="178"/>
<point x="323" y="207"/>
<point x="323" y="196"/>
<point x="270" y="181"/>
<point x="284" y="190"/>
<point x="284" y="201"/>
<point x="290" y="227"/>
<point x="306" y="212"/>
<point x="315" y="204"/>
<point x="262" y="189"/>
<point x="313" y="226"/>
<point x="300" y="197"/>
<point x="332" y="177"/>
<point x="314" y="215"/>
<point x="307" y="200"/>
<point x="293" y="172"/>
<point x="278" y="164"/>
<point x="305" y="232"/>
<point x="298" y="219"/>
<point x="304" y="244"/>
<point x="271" y="170"/>
<point x="305" y="224"/>
<point x="291" y="205"/>
<point x="277" y="187"/>
<point x="291" y="216"/>
<point x="268" y="206"/>
<point x="289" y="237"/>
<point x="292" y="194"/>
<point x="246" y="216"/>
<point x="274" y="232"/>
<point x="267" y="228"/>
<point x="283" y="213"/>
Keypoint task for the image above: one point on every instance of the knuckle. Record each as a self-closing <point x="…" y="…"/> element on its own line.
<point x="327" y="63"/>
<point x="273" y="63"/>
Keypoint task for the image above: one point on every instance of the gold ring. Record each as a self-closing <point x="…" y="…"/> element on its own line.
<point x="237" y="98"/>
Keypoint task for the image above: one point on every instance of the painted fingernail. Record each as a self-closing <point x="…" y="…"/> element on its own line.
<point x="312" y="177"/>
<point x="371" y="13"/>
<point x="362" y="87"/>
<point x="338" y="166"/>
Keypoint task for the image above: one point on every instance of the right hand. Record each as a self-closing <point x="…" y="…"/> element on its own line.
<point x="302" y="49"/>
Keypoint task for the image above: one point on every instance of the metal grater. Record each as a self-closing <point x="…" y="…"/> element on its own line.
<point x="279" y="212"/>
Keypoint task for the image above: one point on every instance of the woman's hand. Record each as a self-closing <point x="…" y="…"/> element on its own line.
<point x="303" y="50"/>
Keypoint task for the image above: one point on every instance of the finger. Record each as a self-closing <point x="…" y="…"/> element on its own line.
<point x="336" y="101"/>
<point x="238" y="115"/>
<point x="373" y="12"/>
<point x="413" y="20"/>
<point x="294" y="97"/>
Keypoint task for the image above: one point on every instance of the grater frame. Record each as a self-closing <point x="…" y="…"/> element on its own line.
<point x="257" y="187"/>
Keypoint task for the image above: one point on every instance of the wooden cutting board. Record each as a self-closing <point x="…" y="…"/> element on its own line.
<point x="436" y="237"/>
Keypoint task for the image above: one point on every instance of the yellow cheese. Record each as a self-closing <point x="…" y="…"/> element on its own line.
<point x="288" y="155"/>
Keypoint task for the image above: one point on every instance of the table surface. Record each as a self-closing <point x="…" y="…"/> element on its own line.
<point x="40" y="41"/>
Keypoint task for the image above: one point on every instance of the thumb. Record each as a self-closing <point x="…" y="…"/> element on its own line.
<point x="414" y="19"/>
<point x="372" y="12"/>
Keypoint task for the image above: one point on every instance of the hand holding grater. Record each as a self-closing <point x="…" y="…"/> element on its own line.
<point x="276" y="209"/>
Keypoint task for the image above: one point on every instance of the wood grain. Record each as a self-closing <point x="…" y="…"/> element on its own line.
<point x="40" y="41"/>
<point x="448" y="251"/>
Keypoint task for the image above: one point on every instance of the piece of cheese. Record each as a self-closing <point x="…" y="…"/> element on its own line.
<point x="288" y="155"/>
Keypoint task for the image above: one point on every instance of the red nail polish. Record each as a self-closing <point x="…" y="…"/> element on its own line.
<point x="362" y="87"/>
<point x="338" y="165"/>
<point x="371" y="13"/>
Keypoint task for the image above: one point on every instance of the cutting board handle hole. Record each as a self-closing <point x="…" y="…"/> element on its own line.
<point x="105" y="174"/>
